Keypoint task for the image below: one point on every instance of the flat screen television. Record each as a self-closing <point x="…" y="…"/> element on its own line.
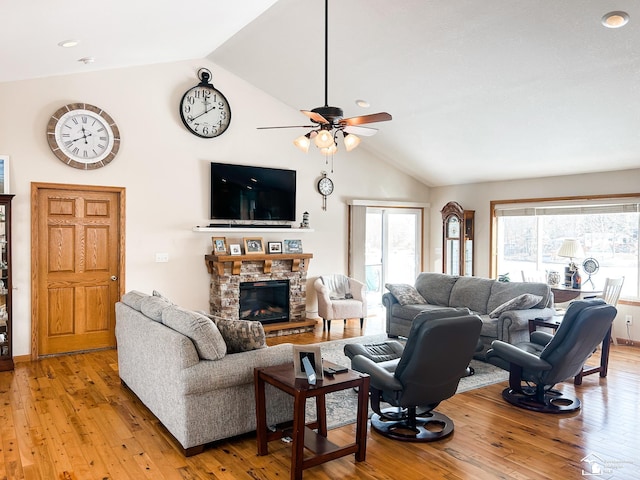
<point x="240" y="192"/>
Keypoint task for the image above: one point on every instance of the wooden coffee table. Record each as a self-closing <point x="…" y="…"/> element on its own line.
<point x="303" y="435"/>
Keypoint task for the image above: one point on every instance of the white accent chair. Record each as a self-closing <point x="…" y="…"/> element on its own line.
<point x="538" y="276"/>
<point x="611" y="295"/>
<point x="340" y="297"/>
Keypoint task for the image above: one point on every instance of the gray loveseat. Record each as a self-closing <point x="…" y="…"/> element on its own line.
<point x="197" y="400"/>
<point x="480" y="295"/>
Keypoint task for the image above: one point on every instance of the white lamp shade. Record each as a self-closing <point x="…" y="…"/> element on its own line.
<point x="571" y="248"/>
<point x="350" y="141"/>
<point x="330" y="150"/>
<point x="324" y="139"/>
<point x="303" y="142"/>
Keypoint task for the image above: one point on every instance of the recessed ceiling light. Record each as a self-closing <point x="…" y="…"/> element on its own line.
<point x="87" y="60"/>
<point x="68" y="43"/>
<point x="615" y="19"/>
<point x="362" y="103"/>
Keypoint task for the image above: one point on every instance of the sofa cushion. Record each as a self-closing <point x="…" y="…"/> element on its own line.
<point x="405" y="294"/>
<point x="435" y="288"/>
<point x="153" y="306"/>
<point x="521" y="302"/>
<point x="240" y="335"/>
<point x="471" y="292"/>
<point x="504" y="291"/>
<point x="134" y="299"/>
<point x="201" y="330"/>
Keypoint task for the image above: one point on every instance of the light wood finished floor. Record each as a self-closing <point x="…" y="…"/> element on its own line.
<point x="68" y="417"/>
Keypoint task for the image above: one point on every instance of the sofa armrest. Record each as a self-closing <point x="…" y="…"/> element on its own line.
<point x="514" y="321"/>
<point x="388" y="300"/>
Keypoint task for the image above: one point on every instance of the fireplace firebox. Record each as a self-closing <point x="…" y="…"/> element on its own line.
<point x="265" y="301"/>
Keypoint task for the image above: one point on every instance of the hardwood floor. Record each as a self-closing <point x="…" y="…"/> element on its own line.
<point x="68" y="417"/>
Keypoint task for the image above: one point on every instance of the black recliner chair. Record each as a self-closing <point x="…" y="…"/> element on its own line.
<point x="536" y="366"/>
<point x="436" y="356"/>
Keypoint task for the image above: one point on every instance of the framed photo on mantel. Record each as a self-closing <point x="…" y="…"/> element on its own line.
<point x="275" y="247"/>
<point x="253" y="245"/>
<point x="293" y="246"/>
<point x="219" y="245"/>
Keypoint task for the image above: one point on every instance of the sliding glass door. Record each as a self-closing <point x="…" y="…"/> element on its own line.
<point x="393" y="240"/>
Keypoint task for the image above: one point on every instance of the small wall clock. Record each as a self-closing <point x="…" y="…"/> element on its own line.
<point x="83" y="136"/>
<point x="204" y="110"/>
<point x="325" y="187"/>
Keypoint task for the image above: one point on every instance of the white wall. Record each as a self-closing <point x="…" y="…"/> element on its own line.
<point x="478" y="197"/>
<point x="165" y="171"/>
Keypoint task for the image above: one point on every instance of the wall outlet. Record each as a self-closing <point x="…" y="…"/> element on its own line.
<point x="628" y="320"/>
<point x="162" y="257"/>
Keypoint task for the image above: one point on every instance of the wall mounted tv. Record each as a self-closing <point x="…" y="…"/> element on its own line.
<point x="240" y="192"/>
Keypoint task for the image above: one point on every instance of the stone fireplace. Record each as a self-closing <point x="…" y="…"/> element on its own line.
<point x="228" y="272"/>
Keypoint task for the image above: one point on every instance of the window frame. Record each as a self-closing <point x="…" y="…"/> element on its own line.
<point x="495" y="205"/>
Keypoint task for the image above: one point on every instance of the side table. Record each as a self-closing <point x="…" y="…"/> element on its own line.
<point x="554" y="323"/>
<point x="303" y="435"/>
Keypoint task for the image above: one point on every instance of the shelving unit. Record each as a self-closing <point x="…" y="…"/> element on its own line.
<point x="6" y="351"/>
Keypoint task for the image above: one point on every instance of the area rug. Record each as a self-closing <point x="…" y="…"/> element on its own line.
<point x="342" y="405"/>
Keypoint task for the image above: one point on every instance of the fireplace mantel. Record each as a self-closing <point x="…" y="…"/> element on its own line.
<point x="216" y="263"/>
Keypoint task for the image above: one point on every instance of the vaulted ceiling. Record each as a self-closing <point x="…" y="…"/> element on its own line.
<point x="491" y="90"/>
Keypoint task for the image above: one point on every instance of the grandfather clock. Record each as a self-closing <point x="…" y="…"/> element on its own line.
<point x="457" y="240"/>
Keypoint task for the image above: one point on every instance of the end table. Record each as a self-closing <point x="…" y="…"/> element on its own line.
<point x="303" y="435"/>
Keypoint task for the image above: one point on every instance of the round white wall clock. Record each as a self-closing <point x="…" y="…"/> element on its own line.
<point x="83" y="136"/>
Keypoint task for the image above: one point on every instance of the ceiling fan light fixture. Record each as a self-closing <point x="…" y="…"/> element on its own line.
<point x="324" y="139"/>
<point x="303" y="142"/>
<point x="351" y="141"/>
<point x="330" y="150"/>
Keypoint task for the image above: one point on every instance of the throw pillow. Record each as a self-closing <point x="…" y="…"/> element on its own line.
<point x="134" y="299"/>
<point x="240" y="335"/>
<point x="405" y="294"/>
<point x="156" y="293"/>
<point x="521" y="302"/>
<point x="203" y="332"/>
<point x="152" y="307"/>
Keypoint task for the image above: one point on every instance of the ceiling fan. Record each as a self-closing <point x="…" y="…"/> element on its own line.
<point x="328" y="121"/>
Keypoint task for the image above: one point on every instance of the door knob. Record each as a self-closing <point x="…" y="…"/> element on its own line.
<point x="114" y="278"/>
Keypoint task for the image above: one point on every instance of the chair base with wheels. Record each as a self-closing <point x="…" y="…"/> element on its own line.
<point x="409" y="424"/>
<point x="538" y="398"/>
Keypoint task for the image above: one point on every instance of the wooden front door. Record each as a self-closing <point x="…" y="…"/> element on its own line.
<point x="78" y="265"/>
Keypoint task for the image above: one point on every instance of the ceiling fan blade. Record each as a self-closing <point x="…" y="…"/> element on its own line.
<point x="362" y="131"/>
<point x="316" y="117"/>
<point x="288" y="126"/>
<point x="374" y="117"/>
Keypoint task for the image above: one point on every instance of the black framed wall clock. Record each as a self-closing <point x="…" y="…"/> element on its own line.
<point x="204" y="110"/>
<point x="325" y="187"/>
<point x="83" y="136"/>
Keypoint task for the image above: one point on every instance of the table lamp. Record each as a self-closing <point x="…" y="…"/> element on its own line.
<point x="571" y="249"/>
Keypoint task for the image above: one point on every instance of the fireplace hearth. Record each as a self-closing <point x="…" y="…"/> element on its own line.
<point x="264" y="301"/>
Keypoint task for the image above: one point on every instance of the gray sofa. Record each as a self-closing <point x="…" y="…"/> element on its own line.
<point x="480" y="295"/>
<point x="197" y="400"/>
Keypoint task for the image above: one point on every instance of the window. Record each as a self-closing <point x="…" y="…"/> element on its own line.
<point x="527" y="235"/>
